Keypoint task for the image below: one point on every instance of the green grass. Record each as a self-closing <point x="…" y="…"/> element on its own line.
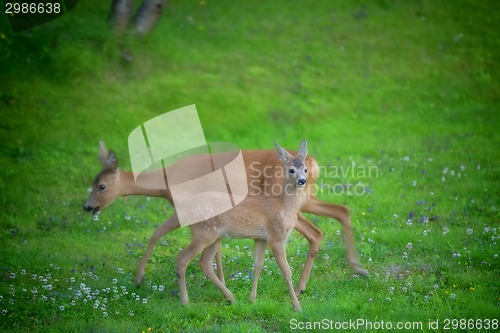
<point x="410" y="88"/>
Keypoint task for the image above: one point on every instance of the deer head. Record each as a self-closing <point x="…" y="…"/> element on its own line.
<point x="105" y="187"/>
<point x="295" y="167"/>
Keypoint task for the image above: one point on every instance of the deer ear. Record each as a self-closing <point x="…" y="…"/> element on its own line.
<point x="302" y="154"/>
<point x="107" y="157"/>
<point x="283" y="154"/>
<point x="111" y="161"/>
<point x="103" y="153"/>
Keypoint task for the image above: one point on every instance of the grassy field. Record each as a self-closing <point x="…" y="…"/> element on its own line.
<point x="399" y="102"/>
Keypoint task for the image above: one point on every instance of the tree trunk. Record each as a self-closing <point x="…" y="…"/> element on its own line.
<point x="120" y="14"/>
<point x="147" y="15"/>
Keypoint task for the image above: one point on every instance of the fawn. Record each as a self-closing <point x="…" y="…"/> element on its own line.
<point x="266" y="218"/>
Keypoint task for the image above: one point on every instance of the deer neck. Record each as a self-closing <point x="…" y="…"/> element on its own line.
<point x="293" y="197"/>
<point x="128" y="186"/>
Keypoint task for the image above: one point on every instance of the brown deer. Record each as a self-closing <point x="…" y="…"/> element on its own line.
<point x="264" y="170"/>
<point x="267" y="218"/>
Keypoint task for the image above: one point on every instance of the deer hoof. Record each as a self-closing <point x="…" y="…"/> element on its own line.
<point x="358" y="269"/>
<point x="138" y="280"/>
<point x="299" y="292"/>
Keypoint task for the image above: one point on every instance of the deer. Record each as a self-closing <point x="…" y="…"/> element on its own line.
<point x="264" y="169"/>
<point x="268" y="218"/>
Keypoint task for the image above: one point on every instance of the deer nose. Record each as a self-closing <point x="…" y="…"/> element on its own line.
<point x="87" y="208"/>
<point x="301" y="182"/>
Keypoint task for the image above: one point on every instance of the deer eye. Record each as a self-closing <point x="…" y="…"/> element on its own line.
<point x="305" y="170"/>
<point x="292" y="171"/>
<point x="102" y="187"/>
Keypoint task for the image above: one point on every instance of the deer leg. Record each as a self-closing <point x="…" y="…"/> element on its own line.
<point x="341" y="214"/>
<point x="278" y="248"/>
<point x="314" y="236"/>
<point x="259" y="250"/>
<point x="171" y="224"/>
<point x="183" y="260"/>
<point x="206" y="264"/>
<point x="218" y="259"/>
